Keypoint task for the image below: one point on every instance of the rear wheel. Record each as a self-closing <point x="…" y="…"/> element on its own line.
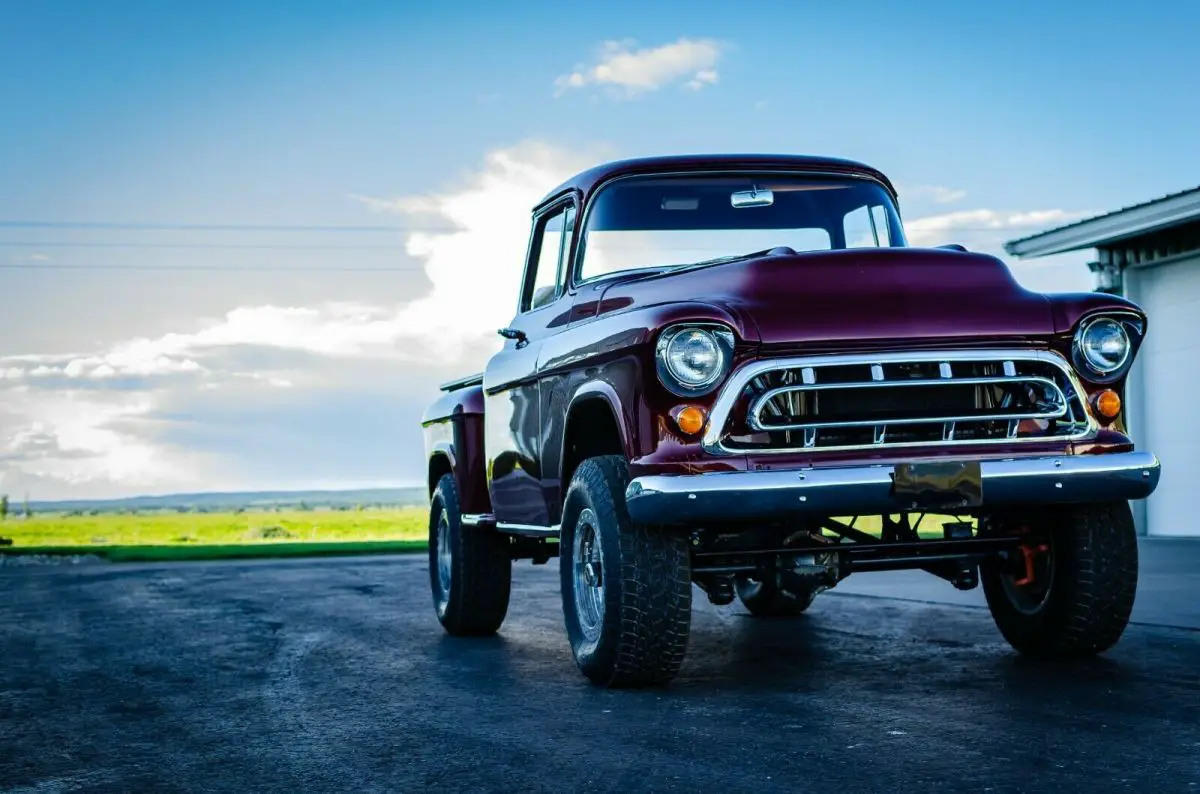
<point x="766" y="599"/>
<point x="1071" y="588"/>
<point x="626" y="588"/>
<point x="470" y="569"/>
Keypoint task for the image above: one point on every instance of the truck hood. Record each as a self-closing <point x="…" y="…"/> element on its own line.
<point x="856" y="295"/>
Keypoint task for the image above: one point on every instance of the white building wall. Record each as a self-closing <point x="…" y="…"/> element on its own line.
<point x="1164" y="388"/>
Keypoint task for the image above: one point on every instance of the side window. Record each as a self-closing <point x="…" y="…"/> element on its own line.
<point x="549" y="241"/>
<point x="867" y="227"/>
<point x="879" y="216"/>
<point x="857" y="226"/>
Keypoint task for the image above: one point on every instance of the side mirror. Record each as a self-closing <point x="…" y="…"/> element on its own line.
<point x="953" y="247"/>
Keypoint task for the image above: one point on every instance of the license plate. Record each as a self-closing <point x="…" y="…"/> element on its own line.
<point x="941" y="484"/>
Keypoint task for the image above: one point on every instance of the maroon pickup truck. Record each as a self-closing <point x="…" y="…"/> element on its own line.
<point x="734" y="372"/>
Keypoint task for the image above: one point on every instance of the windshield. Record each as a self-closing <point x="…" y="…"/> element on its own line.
<point x="656" y="222"/>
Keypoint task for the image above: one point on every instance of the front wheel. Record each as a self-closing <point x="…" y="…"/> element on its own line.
<point x="626" y="588"/>
<point x="1071" y="587"/>
<point x="470" y="569"/>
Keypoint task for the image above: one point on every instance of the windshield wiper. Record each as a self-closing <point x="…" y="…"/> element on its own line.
<point x="659" y="270"/>
<point x="721" y="260"/>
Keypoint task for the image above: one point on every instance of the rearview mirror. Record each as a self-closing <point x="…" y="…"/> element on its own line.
<point x="752" y="198"/>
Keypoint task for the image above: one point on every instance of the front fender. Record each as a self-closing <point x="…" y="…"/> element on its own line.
<point x="603" y="391"/>
<point x="1069" y="308"/>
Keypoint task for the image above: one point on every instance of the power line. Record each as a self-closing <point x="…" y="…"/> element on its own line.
<point x="224" y="268"/>
<point x="198" y="227"/>
<point x="218" y="246"/>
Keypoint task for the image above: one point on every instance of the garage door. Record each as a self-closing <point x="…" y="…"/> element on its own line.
<point x="1164" y="420"/>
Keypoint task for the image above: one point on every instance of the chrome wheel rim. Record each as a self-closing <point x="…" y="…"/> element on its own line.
<point x="443" y="555"/>
<point x="589" y="575"/>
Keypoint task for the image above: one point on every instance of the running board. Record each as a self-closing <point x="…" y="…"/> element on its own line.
<point x="529" y="530"/>
<point x="488" y="521"/>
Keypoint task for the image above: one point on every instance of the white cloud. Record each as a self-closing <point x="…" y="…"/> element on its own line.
<point x="331" y="330"/>
<point x="703" y="78"/>
<point x="475" y="268"/>
<point x="140" y="359"/>
<point x="629" y="72"/>
<point x="938" y="194"/>
<point x="934" y="229"/>
<point x="82" y="437"/>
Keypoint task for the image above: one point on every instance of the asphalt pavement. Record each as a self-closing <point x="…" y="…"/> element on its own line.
<point x="333" y="675"/>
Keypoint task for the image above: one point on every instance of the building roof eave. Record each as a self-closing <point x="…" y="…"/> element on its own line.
<point x="1139" y="219"/>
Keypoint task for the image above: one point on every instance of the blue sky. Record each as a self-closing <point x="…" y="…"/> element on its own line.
<point x="995" y="121"/>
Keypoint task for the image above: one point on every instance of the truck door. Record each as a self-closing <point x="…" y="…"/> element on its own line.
<point x="511" y="386"/>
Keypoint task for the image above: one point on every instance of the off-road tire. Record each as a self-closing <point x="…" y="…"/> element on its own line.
<point x="480" y="568"/>
<point x="642" y="636"/>
<point x="1092" y="587"/>
<point x="768" y="600"/>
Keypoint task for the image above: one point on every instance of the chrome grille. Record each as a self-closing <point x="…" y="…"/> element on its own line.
<point x="898" y="399"/>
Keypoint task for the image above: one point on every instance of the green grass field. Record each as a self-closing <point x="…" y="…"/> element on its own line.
<point x="170" y="535"/>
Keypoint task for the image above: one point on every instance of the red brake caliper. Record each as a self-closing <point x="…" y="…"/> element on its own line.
<point x="1028" y="553"/>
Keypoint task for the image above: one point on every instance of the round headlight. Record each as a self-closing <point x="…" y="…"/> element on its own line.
<point x="1104" y="344"/>
<point x="694" y="358"/>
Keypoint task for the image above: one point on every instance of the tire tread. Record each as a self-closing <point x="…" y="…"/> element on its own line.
<point x="1096" y="573"/>
<point x="481" y="570"/>
<point x="654" y="610"/>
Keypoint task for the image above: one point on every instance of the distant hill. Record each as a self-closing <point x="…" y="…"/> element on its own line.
<point x="245" y="500"/>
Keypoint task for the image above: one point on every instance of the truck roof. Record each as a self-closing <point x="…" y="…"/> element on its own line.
<point x="587" y="181"/>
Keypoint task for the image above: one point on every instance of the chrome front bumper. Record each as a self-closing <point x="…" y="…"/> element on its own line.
<point x="878" y="489"/>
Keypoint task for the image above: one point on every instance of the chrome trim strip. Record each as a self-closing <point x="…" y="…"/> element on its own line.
<point x="478" y="519"/>
<point x="462" y="383"/>
<point x="754" y="415"/>
<point x="535" y="530"/>
<point x="867" y="490"/>
<point x="738" y="379"/>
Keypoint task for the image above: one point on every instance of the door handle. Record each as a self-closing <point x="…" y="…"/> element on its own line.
<point x="513" y="333"/>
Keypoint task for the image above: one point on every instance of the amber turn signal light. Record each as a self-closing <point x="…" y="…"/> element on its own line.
<point x="1108" y="404"/>
<point x="690" y="418"/>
